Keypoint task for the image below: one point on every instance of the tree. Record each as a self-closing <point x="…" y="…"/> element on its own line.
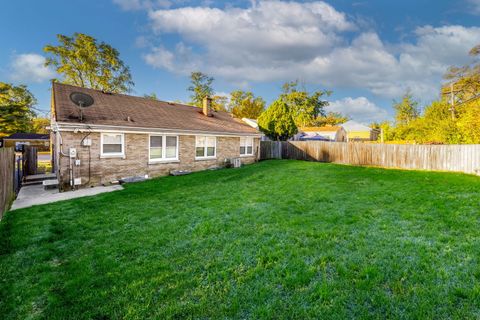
<point x="277" y="122"/>
<point x="246" y="105"/>
<point x="39" y="125"/>
<point x="306" y="107"/>
<point x="201" y="87"/>
<point x="15" y="109"/>
<point x="386" y="128"/>
<point x="465" y="79"/>
<point x="438" y="125"/>
<point x="468" y="123"/>
<point x="219" y="103"/>
<point x="152" y="96"/>
<point x="85" y="62"/>
<point x="330" y="119"/>
<point x="406" y="110"/>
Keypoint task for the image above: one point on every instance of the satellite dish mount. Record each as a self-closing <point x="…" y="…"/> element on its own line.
<point x="81" y="100"/>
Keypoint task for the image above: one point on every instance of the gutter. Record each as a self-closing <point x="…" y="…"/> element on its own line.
<point x="78" y="127"/>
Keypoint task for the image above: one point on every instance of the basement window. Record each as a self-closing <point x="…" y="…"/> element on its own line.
<point x="205" y="147"/>
<point x="163" y="148"/>
<point x="246" y="146"/>
<point x="112" y="144"/>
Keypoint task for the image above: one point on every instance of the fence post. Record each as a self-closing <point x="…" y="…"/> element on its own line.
<point x="7" y="172"/>
<point x="31" y="160"/>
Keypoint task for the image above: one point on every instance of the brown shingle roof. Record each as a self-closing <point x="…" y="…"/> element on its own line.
<point x="114" y="109"/>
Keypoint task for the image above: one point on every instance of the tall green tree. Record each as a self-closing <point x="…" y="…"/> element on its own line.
<point x="85" y="62"/>
<point x="305" y="107"/>
<point x="200" y="87"/>
<point x="277" y="122"/>
<point x="15" y="109"/>
<point x="243" y="104"/>
<point x="406" y="110"/>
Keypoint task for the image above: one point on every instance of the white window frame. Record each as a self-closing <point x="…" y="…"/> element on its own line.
<point x="112" y="154"/>
<point x="205" y="157"/>
<point x="164" y="148"/>
<point x="246" y="154"/>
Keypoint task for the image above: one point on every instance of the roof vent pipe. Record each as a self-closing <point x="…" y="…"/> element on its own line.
<point x="207" y="106"/>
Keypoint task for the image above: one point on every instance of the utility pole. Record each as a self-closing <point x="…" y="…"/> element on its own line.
<point x="452" y="101"/>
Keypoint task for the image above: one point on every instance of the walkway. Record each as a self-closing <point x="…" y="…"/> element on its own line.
<point x="35" y="194"/>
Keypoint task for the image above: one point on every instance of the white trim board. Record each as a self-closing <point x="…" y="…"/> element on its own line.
<point x="62" y="126"/>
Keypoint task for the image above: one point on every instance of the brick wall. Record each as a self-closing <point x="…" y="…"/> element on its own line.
<point x="136" y="160"/>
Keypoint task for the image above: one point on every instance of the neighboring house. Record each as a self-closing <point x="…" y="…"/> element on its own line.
<point x="123" y="136"/>
<point x="326" y="133"/>
<point x="254" y="124"/>
<point x="359" y="132"/>
<point x="41" y="141"/>
<point x="251" y="122"/>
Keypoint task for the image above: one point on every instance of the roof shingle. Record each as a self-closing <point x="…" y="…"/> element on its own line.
<point x="121" y="110"/>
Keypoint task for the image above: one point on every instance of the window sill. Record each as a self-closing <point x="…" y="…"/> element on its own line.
<point x="205" y="158"/>
<point x="246" y="155"/>
<point x="108" y="156"/>
<point x="150" y="162"/>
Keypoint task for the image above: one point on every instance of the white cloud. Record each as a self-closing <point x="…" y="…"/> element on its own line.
<point x="160" y="58"/>
<point x="280" y="41"/>
<point x="359" y="109"/>
<point x="30" y="67"/>
<point x="269" y="30"/>
<point x="181" y="60"/>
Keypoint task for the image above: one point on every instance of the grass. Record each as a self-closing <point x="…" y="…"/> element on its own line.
<point x="278" y="239"/>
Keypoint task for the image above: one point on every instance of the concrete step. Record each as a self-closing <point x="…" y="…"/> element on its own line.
<point x="50" y="184"/>
<point x="32" y="183"/>
<point x="41" y="177"/>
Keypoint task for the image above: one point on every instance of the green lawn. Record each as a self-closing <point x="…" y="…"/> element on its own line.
<point x="278" y="239"/>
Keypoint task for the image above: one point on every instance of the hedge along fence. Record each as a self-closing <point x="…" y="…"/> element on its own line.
<point x="7" y="178"/>
<point x="459" y="158"/>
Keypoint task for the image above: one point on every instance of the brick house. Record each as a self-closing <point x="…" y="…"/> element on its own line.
<point x="122" y="136"/>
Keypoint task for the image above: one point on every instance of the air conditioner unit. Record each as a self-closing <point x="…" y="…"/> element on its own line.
<point x="236" y="162"/>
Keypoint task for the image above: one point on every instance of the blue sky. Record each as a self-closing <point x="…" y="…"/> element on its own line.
<point x="367" y="52"/>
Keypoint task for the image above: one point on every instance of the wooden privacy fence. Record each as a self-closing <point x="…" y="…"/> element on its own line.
<point x="7" y="176"/>
<point x="460" y="158"/>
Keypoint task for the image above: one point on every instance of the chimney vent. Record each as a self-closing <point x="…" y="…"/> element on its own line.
<point x="207" y="106"/>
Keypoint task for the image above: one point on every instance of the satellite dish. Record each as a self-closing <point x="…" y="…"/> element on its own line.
<point x="82" y="100"/>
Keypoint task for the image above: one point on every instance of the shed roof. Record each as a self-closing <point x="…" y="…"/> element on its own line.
<point x="27" y="136"/>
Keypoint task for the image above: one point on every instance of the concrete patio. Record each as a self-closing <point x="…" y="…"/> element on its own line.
<point x="32" y="195"/>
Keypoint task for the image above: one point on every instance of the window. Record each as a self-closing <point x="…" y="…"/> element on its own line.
<point x="205" y="147"/>
<point x="163" y="148"/>
<point x="112" y="144"/>
<point x="246" y="146"/>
